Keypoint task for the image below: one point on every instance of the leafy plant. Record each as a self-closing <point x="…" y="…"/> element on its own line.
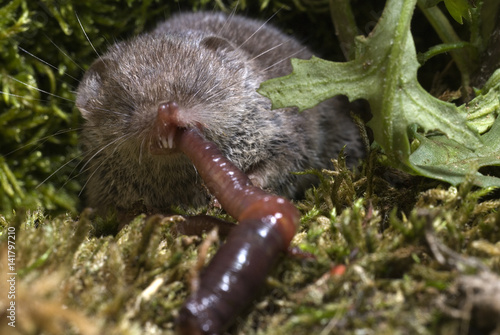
<point x="417" y="132"/>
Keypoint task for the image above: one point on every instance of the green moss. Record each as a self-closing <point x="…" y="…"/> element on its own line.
<point x="406" y="245"/>
<point x="134" y="282"/>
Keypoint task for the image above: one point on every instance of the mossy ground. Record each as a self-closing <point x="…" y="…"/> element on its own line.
<point x="393" y="254"/>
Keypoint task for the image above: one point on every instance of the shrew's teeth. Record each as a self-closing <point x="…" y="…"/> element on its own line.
<point x="171" y="139"/>
<point x="164" y="143"/>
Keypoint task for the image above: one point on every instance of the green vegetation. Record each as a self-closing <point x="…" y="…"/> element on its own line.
<point x="394" y="253"/>
<point x="384" y="72"/>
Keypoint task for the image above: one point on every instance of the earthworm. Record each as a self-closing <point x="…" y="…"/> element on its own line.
<point x="267" y="224"/>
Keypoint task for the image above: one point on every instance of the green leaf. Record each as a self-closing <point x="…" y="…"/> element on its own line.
<point x="385" y="73"/>
<point x="458" y="9"/>
<point x="441" y="158"/>
<point x="484" y="109"/>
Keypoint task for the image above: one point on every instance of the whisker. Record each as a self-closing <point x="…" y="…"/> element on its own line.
<point x="213" y="87"/>
<point x="56" y="171"/>
<point x="22" y="96"/>
<point x="46" y="63"/>
<point x="65" y="54"/>
<point x="86" y="36"/>
<point x="42" y="140"/>
<point x="222" y="89"/>
<point x="141" y="148"/>
<point x="268" y="50"/>
<point x="261" y="26"/>
<point x="71" y="177"/>
<point x="90" y="177"/>
<point x="40" y="90"/>
<point x="104" y="147"/>
<point x="124" y="137"/>
<point x="202" y="86"/>
<point x="284" y="59"/>
<point x="121" y="114"/>
<point x="229" y="17"/>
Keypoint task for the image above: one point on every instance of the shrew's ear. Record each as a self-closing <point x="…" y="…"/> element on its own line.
<point x="216" y="43"/>
<point x="90" y="88"/>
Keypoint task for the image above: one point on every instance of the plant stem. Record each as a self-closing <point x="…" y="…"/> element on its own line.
<point x="345" y="26"/>
<point x="447" y="34"/>
<point x="397" y="149"/>
<point x="439" y="49"/>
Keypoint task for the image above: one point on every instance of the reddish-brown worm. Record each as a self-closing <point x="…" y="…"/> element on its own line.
<point x="267" y="224"/>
